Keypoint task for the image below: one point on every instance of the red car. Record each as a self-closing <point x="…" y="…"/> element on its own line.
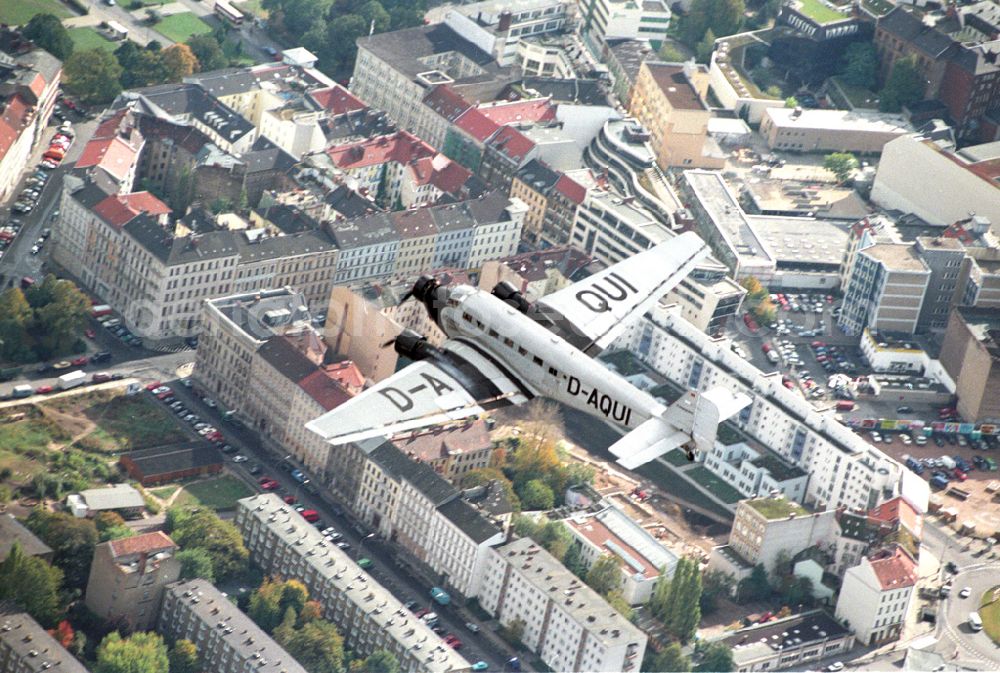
<point x="42" y="390"/>
<point x="452" y="641"/>
<point x="68" y="103"/>
<point x="421" y="612"/>
<point x="310" y="515"/>
<point x="750" y="322"/>
<point x="153" y="386"/>
<point x="81" y="361"/>
<point x="214" y="436"/>
<point x="961" y="476"/>
<point x="289" y="499"/>
<point x="89" y="333"/>
<point x="269" y="485"/>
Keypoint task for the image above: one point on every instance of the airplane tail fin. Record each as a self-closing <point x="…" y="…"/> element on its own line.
<point x="691" y="422"/>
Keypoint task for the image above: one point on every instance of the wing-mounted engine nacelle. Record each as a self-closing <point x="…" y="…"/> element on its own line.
<point x="412" y="345"/>
<point x="431" y="294"/>
<point x="505" y="291"/>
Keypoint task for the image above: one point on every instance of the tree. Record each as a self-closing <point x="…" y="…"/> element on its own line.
<point x="485" y="475"/>
<point x="573" y="560"/>
<point x="905" y="86"/>
<point x="381" y="661"/>
<point x="15" y="318"/>
<point x="670" y="53"/>
<point x="755" y="587"/>
<point x="722" y="17"/>
<point x="195" y="563"/>
<point x="31" y="583"/>
<point x="705" y="46"/>
<point x="513" y="631"/>
<point x="668" y="660"/>
<point x="220" y="539"/>
<point x="861" y="65"/>
<point x="535" y="495"/>
<point x="141" y="66"/>
<point x="718" y="658"/>
<point x="318" y="646"/>
<point x="183" y="657"/>
<point x="111" y="526"/>
<point x="791" y="102"/>
<point x="714" y="584"/>
<point x="272" y="600"/>
<point x="605" y="575"/>
<point x="676" y="601"/>
<point x="179" y="62"/>
<point x="795" y="590"/>
<point x="73" y="541"/>
<point x="93" y="75"/>
<point x="758" y="302"/>
<point x="555" y="538"/>
<point x="60" y="314"/>
<point x="47" y="31"/>
<point x="142" y="652"/>
<point x="841" y="164"/>
<point x="208" y="52"/>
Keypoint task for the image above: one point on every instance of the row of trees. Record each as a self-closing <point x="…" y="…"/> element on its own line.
<point x="283" y="609"/>
<point x="329" y="29"/>
<point x="43" y="321"/>
<point x="146" y="652"/>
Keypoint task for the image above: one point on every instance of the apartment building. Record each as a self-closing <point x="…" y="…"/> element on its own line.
<point x="30" y="86"/>
<point x="395" y="71"/>
<point x="970" y="353"/>
<point x="451" y="452"/>
<point x="753" y="469"/>
<point x="876" y="594"/>
<point x="604" y="20"/>
<point x="366" y="613"/>
<point x="536" y="274"/>
<point x="111" y="156"/>
<point x="885" y="290"/>
<point x="128" y="577"/>
<point x="641" y="558"/>
<point x="235" y="328"/>
<point x="498" y="27"/>
<point x="668" y="99"/>
<point x="925" y="174"/>
<point x="566" y="623"/>
<point x="767" y="528"/>
<point x="844" y="469"/>
<point x="25" y="647"/>
<point x="552" y="198"/>
<point x="228" y="641"/>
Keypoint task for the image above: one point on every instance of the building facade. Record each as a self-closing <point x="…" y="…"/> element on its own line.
<point x="876" y="595"/>
<point x="566" y="623"/>
<point x="970" y="354"/>
<point x="128" y="577"/>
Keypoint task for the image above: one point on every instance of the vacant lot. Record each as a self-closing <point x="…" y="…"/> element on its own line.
<point x="671" y="482"/>
<point x="19" y="12"/>
<point x="179" y="27"/>
<point x="88" y="38"/>
<point x="219" y="494"/>
<point x="714" y="485"/>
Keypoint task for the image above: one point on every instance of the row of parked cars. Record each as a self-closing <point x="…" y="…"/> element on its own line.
<point x="166" y="395"/>
<point x="115" y="327"/>
<point x="802" y="303"/>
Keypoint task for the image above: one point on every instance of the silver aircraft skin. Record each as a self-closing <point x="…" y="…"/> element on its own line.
<point x="503" y="350"/>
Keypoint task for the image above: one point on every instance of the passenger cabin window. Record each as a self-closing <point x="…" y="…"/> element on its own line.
<point x="493" y="333"/>
<point x="552" y="370"/>
<point x="537" y="360"/>
<point x="466" y="317"/>
<point x="521" y="351"/>
<point x="508" y="342"/>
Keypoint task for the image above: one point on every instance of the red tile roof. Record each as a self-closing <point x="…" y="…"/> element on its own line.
<point x="37" y="85"/>
<point x="597" y="532"/>
<point x="12" y="122"/>
<point x="347" y="374"/>
<point x="476" y="124"/>
<point x="898" y="510"/>
<point x="512" y="143"/>
<point x="109" y="127"/>
<point x="440" y="171"/>
<point x="894" y="570"/>
<point x="337" y="100"/>
<point x="145" y="202"/>
<point x="115" y="211"/>
<point x="443" y="100"/>
<point x="325" y="389"/>
<point x="401" y="147"/>
<point x="113" y="155"/>
<point x="148" y="543"/>
<point x="533" y="110"/>
<point x="571" y="189"/>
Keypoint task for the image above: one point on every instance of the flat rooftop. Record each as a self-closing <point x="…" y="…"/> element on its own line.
<point x="776" y="508"/>
<point x="637" y="551"/>
<point x="724" y="209"/>
<point x="815" y="199"/>
<point x="261" y="315"/>
<point x="675" y="86"/>
<point x="801" y="241"/>
<point x="838" y="120"/>
<point x="793" y="632"/>
<point x="897" y="257"/>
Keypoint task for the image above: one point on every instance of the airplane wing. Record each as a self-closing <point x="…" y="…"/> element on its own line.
<point x="599" y="307"/>
<point x="418" y="396"/>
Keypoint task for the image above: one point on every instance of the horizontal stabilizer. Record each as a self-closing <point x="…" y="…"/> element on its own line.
<point x="647" y="442"/>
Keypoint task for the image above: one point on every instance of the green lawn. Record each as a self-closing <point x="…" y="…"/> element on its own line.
<point x="164" y="492"/>
<point x="132" y="422"/>
<point x="671" y="482"/>
<point x="19" y="12"/>
<point x="989" y="612"/>
<point x="819" y="12"/>
<point x="88" y="38"/>
<point x="30" y="434"/>
<point x="220" y="493"/>
<point x="856" y="96"/>
<point x="251" y="7"/>
<point x="714" y="485"/>
<point x="676" y="457"/>
<point x="179" y="27"/>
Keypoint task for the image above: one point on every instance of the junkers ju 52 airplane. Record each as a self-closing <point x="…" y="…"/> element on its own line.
<point x="503" y="350"/>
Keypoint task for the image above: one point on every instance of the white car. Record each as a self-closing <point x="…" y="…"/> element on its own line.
<point x="240" y="458"/>
<point x="836" y="666"/>
<point x="965" y="592"/>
